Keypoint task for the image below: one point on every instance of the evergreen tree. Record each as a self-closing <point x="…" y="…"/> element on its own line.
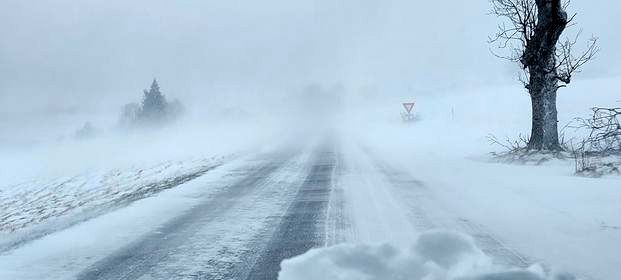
<point x="154" y="103"/>
<point x="154" y="110"/>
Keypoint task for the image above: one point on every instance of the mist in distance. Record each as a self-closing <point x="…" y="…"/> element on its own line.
<point x="243" y="70"/>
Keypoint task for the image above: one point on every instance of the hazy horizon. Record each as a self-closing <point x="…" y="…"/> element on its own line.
<point x="63" y="63"/>
<point x="56" y="55"/>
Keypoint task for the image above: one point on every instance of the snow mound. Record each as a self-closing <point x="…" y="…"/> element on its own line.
<point x="436" y="255"/>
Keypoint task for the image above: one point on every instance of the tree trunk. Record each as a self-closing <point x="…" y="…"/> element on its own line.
<point x="539" y="57"/>
<point x="544" y="132"/>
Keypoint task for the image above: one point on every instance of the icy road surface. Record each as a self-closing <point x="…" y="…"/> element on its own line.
<point x="240" y="220"/>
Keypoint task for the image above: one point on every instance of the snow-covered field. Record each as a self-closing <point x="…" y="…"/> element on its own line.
<point x="32" y="209"/>
<point x="58" y="183"/>
<point x="392" y="183"/>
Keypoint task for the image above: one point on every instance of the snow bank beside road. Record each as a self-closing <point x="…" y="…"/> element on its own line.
<point x="435" y="256"/>
<point x="39" y="207"/>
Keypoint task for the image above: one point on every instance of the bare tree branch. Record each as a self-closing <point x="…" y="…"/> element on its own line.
<point x="605" y="131"/>
<point x="515" y="32"/>
<point x="569" y="64"/>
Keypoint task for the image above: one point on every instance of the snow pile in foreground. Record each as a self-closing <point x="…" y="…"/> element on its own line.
<point x="436" y="255"/>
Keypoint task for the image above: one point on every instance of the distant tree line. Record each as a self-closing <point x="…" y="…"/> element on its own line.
<point x="154" y="109"/>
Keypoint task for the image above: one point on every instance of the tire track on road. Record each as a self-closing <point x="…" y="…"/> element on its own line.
<point x="303" y="225"/>
<point x="142" y="256"/>
<point x="338" y="225"/>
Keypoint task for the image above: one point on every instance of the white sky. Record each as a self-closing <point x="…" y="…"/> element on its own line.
<point x="57" y="54"/>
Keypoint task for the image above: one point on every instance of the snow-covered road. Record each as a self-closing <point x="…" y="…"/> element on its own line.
<point x="236" y="222"/>
<point x="240" y="220"/>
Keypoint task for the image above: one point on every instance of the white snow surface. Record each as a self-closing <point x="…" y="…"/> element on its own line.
<point x="82" y="245"/>
<point x="59" y="183"/>
<point x="435" y="255"/>
<point x="38" y="207"/>
<point x="543" y="213"/>
<point x="398" y="181"/>
<point x="87" y="242"/>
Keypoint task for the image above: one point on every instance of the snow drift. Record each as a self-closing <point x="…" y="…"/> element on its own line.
<point x="436" y="255"/>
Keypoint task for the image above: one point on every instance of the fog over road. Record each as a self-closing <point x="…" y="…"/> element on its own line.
<point x="267" y="208"/>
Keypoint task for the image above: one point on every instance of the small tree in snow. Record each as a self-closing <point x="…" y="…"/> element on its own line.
<point x="530" y="31"/>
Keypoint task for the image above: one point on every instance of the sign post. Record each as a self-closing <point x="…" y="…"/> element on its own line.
<point x="408" y="115"/>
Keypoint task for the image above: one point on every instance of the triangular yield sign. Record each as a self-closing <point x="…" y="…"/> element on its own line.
<point x="408" y="106"/>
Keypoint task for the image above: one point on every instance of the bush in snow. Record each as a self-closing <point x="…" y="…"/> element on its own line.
<point x="600" y="152"/>
<point x="605" y="131"/>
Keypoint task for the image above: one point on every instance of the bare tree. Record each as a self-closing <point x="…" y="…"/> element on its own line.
<point x="529" y="33"/>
